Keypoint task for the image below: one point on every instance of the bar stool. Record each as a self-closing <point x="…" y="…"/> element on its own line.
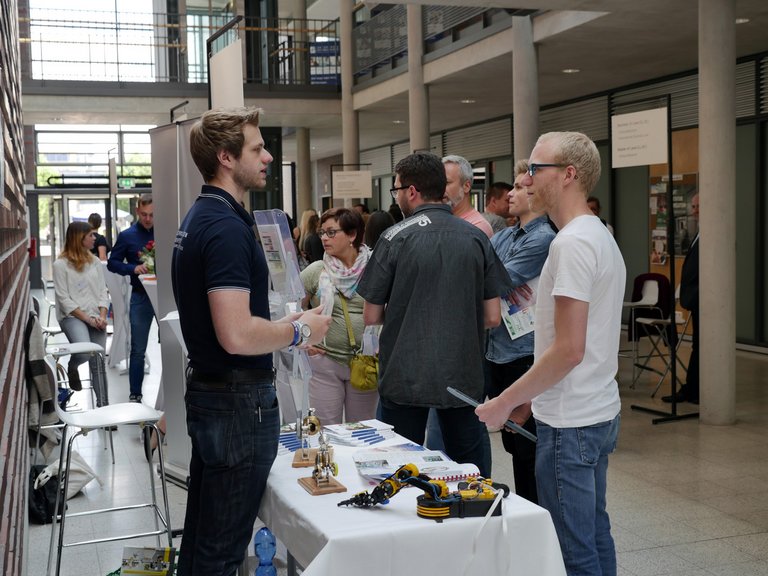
<point x="98" y="385"/>
<point x="87" y="421"/>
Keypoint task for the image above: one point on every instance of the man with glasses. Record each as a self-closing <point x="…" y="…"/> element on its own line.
<point x="572" y="385"/>
<point x="434" y="283"/>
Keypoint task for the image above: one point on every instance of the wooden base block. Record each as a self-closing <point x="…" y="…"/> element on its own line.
<point x="299" y="462"/>
<point x="313" y="488"/>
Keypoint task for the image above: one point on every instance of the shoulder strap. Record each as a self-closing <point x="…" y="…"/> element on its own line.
<point x="350" y="332"/>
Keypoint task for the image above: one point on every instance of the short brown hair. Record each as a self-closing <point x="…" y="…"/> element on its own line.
<point x="521" y="166"/>
<point x="350" y="221"/>
<point x="220" y="129"/>
<point x="498" y="190"/>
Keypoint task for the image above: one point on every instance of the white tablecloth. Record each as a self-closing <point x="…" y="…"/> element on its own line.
<point x="149" y="281"/>
<point x="393" y="540"/>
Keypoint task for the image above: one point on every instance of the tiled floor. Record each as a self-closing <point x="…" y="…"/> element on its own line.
<point x="685" y="498"/>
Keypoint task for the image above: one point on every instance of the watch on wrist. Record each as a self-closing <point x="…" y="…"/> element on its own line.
<point x="305" y="332"/>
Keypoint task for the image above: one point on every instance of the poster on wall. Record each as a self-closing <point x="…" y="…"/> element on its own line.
<point x="639" y="138"/>
<point x="684" y="188"/>
<point x="352" y="184"/>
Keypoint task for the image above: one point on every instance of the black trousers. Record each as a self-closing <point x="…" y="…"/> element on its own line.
<point x="692" y="379"/>
<point x="499" y="378"/>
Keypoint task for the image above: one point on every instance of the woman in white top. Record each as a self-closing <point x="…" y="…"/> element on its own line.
<point x="81" y="300"/>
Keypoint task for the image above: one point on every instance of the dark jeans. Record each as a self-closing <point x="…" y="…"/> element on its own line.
<point x="500" y="377"/>
<point x="141" y="314"/>
<point x="464" y="435"/>
<point x="234" y="429"/>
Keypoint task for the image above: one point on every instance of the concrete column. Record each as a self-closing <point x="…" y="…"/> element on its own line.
<point x="304" y="200"/>
<point x="302" y="39"/>
<point x="525" y="87"/>
<point x="717" y="219"/>
<point x="418" y="93"/>
<point x="350" y="135"/>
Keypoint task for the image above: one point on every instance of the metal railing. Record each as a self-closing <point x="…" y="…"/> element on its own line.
<point x="155" y="47"/>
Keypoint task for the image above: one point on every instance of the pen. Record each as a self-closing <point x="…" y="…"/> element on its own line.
<point x="472" y="402"/>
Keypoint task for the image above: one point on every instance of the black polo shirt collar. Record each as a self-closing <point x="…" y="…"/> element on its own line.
<point x="221" y="195"/>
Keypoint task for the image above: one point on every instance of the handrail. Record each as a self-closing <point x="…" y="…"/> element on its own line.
<point x="60" y="44"/>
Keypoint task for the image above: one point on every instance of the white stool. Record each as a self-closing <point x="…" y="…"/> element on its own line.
<point x="105" y="417"/>
<point x="100" y="388"/>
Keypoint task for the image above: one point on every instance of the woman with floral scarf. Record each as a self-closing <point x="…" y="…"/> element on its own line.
<point x="332" y="283"/>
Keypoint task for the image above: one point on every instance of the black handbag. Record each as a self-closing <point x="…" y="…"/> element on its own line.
<point x="42" y="500"/>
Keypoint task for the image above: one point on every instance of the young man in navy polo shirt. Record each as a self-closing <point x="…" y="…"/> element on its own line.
<point x="220" y="281"/>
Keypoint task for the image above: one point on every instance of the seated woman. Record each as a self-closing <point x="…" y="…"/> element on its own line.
<point x="81" y="301"/>
<point x="329" y="282"/>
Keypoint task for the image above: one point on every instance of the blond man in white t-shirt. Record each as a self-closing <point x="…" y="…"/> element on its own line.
<point x="571" y="384"/>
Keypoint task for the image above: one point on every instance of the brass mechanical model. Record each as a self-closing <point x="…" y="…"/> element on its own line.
<point x="322" y="480"/>
<point x="307" y="426"/>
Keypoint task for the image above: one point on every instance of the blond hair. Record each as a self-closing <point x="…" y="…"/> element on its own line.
<point x="521" y="167"/>
<point x="304" y="227"/>
<point x="577" y="150"/>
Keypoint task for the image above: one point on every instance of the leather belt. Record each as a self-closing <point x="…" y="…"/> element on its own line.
<point x="227" y="377"/>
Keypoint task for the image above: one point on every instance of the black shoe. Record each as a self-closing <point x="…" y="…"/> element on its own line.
<point x="135" y="398"/>
<point x="679" y="397"/>
<point x="74" y="379"/>
<point x="64" y="396"/>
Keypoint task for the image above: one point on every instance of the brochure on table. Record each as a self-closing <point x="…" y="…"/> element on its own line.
<point x="377" y="463"/>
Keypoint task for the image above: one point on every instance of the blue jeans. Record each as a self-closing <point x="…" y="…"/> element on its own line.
<point x="141" y="315"/>
<point x="464" y="435"/>
<point x="571" y="468"/>
<point x="234" y="431"/>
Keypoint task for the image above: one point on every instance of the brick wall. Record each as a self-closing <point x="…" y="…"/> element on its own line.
<point x="14" y="301"/>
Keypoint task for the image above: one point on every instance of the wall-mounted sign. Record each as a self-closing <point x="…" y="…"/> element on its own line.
<point x="227" y="77"/>
<point x="352" y="184"/>
<point x="639" y="138"/>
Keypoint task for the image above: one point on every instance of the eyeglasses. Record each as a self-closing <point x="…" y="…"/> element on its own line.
<point x="393" y="191"/>
<point x="330" y="232"/>
<point x="532" y="168"/>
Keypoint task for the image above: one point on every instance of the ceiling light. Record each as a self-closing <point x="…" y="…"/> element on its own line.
<point x="742" y="20"/>
<point x="570" y="70"/>
<point x="468" y="101"/>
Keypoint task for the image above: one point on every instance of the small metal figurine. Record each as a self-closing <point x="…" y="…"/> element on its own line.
<point x="307" y="426"/>
<point x="325" y="467"/>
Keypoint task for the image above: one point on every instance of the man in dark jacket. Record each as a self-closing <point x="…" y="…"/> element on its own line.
<point x="689" y="299"/>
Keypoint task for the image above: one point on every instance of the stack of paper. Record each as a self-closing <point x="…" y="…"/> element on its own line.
<point x="290" y="443"/>
<point x="380" y="462"/>
<point x="363" y="433"/>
